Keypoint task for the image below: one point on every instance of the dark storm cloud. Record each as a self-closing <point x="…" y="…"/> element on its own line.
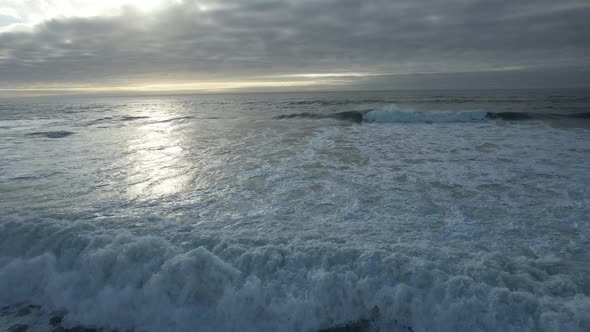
<point x="239" y="39"/>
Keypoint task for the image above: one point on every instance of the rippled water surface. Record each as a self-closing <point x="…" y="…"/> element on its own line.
<point x="390" y="211"/>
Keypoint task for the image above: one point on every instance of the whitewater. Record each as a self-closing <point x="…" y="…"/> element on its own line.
<point x="351" y="211"/>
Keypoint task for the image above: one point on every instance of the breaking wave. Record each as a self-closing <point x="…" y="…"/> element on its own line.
<point x="113" y="279"/>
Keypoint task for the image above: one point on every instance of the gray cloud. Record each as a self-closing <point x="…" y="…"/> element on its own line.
<point x="247" y="39"/>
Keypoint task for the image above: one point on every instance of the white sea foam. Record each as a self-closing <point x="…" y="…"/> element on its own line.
<point x="394" y="114"/>
<point x="116" y="279"/>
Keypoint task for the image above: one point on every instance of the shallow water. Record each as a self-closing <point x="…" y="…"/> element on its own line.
<point x="299" y="212"/>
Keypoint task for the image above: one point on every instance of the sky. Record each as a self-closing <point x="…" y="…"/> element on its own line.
<point x="145" y="46"/>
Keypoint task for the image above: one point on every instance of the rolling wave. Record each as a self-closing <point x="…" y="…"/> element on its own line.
<point x="395" y="115"/>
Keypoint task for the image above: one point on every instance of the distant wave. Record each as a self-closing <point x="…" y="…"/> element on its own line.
<point x="334" y="102"/>
<point x="126" y="118"/>
<point x="393" y="114"/>
<point x="132" y="118"/>
<point x="114" y="119"/>
<point x="582" y="115"/>
<point x="439" y="99"/>
<point x="540" y="116"/>
<point x="180" y="118"/>
<point x="354" y="116"/>
<point x="51" y="134"/>
<point x="510" y="115"/>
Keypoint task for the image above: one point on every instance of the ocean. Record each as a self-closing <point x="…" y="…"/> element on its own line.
<point x="325" y="211"/>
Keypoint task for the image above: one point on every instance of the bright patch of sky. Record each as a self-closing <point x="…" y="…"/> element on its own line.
<point x="33" y="11"/>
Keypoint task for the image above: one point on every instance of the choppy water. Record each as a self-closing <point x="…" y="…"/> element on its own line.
<point x="396" y="211"/>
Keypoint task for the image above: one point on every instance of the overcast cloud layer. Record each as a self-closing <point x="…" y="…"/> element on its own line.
<point x="453" y="43"/>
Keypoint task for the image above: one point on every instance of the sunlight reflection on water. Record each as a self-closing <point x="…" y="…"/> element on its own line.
<point x="156" y="161"/>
